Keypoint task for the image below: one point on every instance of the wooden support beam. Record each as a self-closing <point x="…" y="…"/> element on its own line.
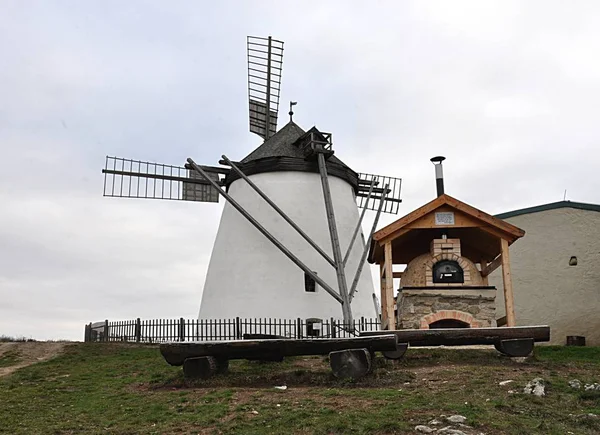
<point x="464" y="336"/>
<point x="389" y="288"/>
<point x="507" y="281"/>
<point x="383" y="294"/>
<point x="484" y="265"/>
<point x="382" y="272"/>
<point x="492" y="266"/>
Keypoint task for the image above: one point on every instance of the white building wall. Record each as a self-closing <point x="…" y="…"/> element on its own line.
<point x="547" y="291"/>
<point x="249" y="277"/>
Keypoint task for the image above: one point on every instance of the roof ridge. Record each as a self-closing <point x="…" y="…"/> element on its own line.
<point x="463" y="207"/>
<point x="549" y="206"/>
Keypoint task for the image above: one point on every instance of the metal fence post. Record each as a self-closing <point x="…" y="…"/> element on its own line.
<point x="333" y="331"/>
<point x="138" y="330"/>
<point x="106" y="330"/>
<point x="299" y="328"/>
<point x="238" y="329"/>
<point x="181" y="329"/>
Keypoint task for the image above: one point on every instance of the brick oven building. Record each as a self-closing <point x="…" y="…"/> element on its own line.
<point x="441" y="244"/>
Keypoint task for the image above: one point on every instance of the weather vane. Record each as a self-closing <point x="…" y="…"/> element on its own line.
<point x="292" y="104"/>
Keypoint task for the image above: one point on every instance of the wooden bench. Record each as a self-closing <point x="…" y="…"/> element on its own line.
<point x="512" y="341"/>
<point x="349" y="357"/>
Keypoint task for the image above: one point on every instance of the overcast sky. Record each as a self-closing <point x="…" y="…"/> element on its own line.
<point x="509" y="92"/>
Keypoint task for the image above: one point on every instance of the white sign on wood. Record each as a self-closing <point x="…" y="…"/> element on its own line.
<point x="444" y="218"/>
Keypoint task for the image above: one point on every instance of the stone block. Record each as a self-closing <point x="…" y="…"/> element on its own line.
<point x="473" y="309"/>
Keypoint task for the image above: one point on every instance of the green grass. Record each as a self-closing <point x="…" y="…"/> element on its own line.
<point x="122" y="389"/>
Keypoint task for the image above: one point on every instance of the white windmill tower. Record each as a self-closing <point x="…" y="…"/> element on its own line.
<point x="289" y="199"/>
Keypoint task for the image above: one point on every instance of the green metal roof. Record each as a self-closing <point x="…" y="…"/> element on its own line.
<point x="551" y="206"/>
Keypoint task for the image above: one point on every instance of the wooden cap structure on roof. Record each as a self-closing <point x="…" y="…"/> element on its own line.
<point x="484" y="239"/>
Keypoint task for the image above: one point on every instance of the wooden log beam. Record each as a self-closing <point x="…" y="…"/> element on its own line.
<point x="488" y="269"/>
<point x="251" y="336"/>
<point x="398" y="274"/>
<point x="464" y="336"/>
<point x="176" y="353"/>
<point x="509" y="302"/>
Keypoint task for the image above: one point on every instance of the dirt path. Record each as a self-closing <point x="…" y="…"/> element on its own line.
<point x="25" y="354"/>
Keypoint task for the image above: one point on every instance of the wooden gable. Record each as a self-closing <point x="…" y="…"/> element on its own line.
<point x="480" y="233"/>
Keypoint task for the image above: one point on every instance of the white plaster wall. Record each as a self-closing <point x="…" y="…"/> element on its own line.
<point x="546" y="289"/>
<point x="249" y="277"/>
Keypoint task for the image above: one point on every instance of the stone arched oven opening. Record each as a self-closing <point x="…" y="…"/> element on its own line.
<point x="449" y="319"/>
<point x="448" y="323"/>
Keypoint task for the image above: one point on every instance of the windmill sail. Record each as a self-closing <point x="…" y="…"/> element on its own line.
<point x="391" y="203"/>
<point x="126" y="178"/>
<point x="265" y="61"/>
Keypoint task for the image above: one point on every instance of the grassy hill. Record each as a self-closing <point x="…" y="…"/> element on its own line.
<point x="120" y="388"/>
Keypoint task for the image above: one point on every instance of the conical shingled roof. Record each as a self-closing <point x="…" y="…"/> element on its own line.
<point x="283" y="153"/>
<point x="280" y="144"/>
<point x="283" y="144"/>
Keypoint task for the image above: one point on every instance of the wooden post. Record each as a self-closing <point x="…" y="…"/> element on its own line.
<point x="508" y="288"/>
<point x="389" y="288"/>
<point x="383" y="294"/>
<point x="86" y="334"/>
<point x="483" y="266"/>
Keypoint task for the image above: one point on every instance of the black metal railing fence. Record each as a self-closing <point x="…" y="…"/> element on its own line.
<point x="163" y="330"/>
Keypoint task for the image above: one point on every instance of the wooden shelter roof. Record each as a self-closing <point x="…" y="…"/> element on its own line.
<point x="480" y="233"/>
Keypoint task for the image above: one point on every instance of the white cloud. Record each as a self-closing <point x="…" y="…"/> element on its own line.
<point x="508" y="91"/>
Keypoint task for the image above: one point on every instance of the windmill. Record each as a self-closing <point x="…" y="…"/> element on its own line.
<point x="289" y="199"/>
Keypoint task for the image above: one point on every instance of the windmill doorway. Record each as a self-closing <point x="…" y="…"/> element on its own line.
<point x="448" y="323"/>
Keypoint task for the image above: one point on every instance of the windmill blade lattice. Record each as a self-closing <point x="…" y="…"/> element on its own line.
<point x="265" y="62"/>
<point x="127" y="178"/>
<point x="392" y="200"/>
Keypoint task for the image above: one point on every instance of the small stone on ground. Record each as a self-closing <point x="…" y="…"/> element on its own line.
<point x="537" y="387"/>
<point x="456" y="419"/>
<point x="449" y="431"/>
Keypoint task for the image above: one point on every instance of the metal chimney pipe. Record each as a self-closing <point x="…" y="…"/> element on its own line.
<point x="439" y="174"/>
